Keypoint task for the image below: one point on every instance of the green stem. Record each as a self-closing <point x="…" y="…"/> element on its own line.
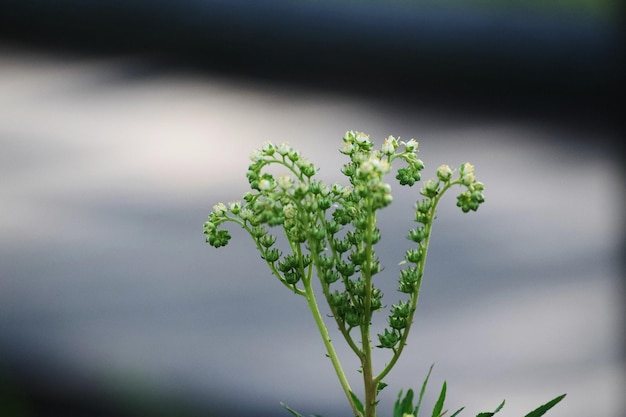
<point x="415" y="295"/>
<point x="319" y="321"/>
<point x="366" y="359"/>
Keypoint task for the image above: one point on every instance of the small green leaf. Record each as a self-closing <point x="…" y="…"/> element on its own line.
<point x="381" y="385"/>
<point x="357" y="403"/>
<point x="407" y="403"/>
<point x="439" y="405"/>
<point x="457" y="412"/>
<point x="423" y="390"/>
<point x="544" y="408"/>
<point x="491" y="413"/>
<point x="295" y="413"/>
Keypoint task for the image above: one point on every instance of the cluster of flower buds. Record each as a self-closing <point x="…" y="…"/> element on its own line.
<point x="473" y="196"/>
<point x="315" y="217"/>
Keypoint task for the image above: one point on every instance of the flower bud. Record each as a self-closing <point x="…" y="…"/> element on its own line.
<point x="326" y="262"/>
<point x="389" y="146"/>
<point x="409" y="280"/>
<point x="414" y="255"/>
<point x="267" y="240"/>
<point x="271" y="255"/>
<point x="410" y="146"/>
<point x="397" y="323"/>
<point x="346" y="269"/>
<point x="220" y="209"/>
<point x="330" y="276"/>
<point x="402" y="309"/>
<point x="430" y="189"/>
<point x="423" y="206"/>
<point x="292" y="278"/>
<point x="388" y="339"/>
<point x="444" y="173"/>
<point x="353" y="318"/>
<point x="283" y="149"/>
<point x="417" y="235"/>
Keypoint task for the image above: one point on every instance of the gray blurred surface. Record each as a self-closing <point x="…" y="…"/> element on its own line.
<point x="109" y="167"/>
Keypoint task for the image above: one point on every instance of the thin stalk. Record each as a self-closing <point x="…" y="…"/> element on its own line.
<point x="366" y="361"/>
<point x="321" y="327"/>
<point x="416" y="293"/>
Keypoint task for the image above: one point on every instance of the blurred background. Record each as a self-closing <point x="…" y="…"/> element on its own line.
<point x="123" y="122"/>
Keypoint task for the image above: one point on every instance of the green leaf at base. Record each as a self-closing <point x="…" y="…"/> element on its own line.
<point x="544" y="408"/>
<point x="295" y="413"/>
<point x="491" y="413"/>
<point x="357" y="403"/>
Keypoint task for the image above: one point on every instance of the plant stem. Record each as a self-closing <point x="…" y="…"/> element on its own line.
<point x="369" y="383"/>
<point x="319" y="321"/>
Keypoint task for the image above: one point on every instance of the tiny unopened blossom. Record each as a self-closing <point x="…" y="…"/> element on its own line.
<point x="389" y="146"/>
<point x="468" y="178"/>
<point x="284" y="181"/>
<point x="268" y="148"/>
<point x="375" y="165"/>
<point x="283" y="149"/>
<point x="294" y="155"/>
<point x="324" y="190"/>
<point x="289" y="211"/>
<point x="362" y="138"/>
<point x="234" y="206"/>
<point x="467" y="167"/>
<point x="444" y="172"/>
<point x="246" y="214"/>
<point x="256" y="155"/>
<point x="347" y="148"/>
<point x="410" y="145"/>
<point x="220" y="209"/>
<point x="265" y="185"/>
<point x="209" y="226"/>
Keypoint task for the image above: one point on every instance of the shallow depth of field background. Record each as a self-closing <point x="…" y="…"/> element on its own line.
<point x="121" y="124"/>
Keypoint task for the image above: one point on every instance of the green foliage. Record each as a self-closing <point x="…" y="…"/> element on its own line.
<point x="331" y="233"/>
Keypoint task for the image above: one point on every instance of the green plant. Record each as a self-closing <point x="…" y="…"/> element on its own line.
<point x="331" y="233"/>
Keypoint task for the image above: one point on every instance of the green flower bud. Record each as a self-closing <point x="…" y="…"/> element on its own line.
<point x="326" y="262"/>
<point x="423" y="206"/>
<point x="332" y="227"/>
<point x="292" y="278"/>
<point x="408" y="176"/>
<point x="430" y="189"/>
<point x="218" y="238"/>
<point x="330" y="276"/>
<point x="341" y="245"/>
<point x="414" y="255"/>
<point x="417" y="235"/>
<point x="357" y="257"/>
<point x="353" y="318"/>
<point x="338" y="300"/>
<point x="397" y="323"/>
<point x="324" y="203"/>
<point x="271" y="255"/>
<point x="346" y="269"/>
<point x="402" y="309"/>
<point x="355" y="238"/>
<point x="356" y="287"/>
<point x="409" y="280"/>
<point x="388" y="339"/>
<point x="376" y="302"/>
<point x="289" y="262"/>
<point x="444" y="173"/>
<point x="267" y="240"/>
<point x="318" y="233"/>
